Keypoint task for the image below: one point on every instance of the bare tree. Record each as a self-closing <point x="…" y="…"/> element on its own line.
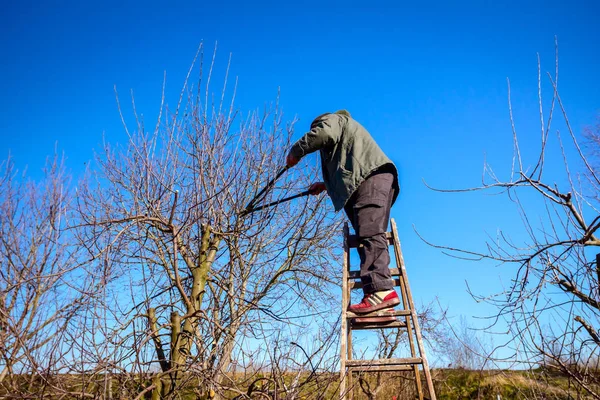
<point x="43" y="287"/>
<point x="465" y="347"/>
<point x="552" y="306"/>
<point x="203" y="277"/>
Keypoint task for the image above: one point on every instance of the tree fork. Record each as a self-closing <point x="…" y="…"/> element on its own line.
<point x="208" y="249"/>
<point x="164" y="363"/>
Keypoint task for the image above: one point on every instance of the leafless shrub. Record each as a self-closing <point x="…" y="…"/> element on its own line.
<point x="551" y="307"/>
<point x="43" y="285"/>
<point x="465" y="346"/>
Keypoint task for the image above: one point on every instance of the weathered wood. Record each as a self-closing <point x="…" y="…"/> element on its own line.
<point x="344" y="350"/>
<point x="415" y="320"/>
<point x="349" y="329"/>
<point x="384" y="325"/>
<point x="408" y="305"/>
<point x="384" y="361"/>
<point x="381" y="368"/>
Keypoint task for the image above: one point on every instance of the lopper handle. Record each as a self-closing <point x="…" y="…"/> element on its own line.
<point x="257" y="198"/>
<point x="251" y="210"/>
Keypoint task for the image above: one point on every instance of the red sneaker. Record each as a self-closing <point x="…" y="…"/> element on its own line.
<point x="375" y="301"/>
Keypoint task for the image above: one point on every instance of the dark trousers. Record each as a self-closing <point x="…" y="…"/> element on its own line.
<point x="369" y="212"/>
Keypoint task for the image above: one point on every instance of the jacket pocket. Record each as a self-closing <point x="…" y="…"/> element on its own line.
<point x="344" y="183"/>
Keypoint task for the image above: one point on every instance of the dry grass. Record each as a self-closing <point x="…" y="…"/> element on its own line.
<point x="450" y="384"/>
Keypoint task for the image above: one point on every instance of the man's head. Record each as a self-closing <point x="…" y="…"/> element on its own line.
<point x="340" y="112"/>
<point x="343" y="112"/>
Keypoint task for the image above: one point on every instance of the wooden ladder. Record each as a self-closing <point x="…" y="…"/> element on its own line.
<point x="409" y="322"/>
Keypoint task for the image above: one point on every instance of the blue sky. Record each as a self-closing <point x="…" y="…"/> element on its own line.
<point x="428" y="79"/>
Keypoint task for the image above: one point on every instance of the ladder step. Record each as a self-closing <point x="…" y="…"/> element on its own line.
<point x="381" y="368"/>
<point x="356" y="274"/>
<point x="381" y="313"/>
<point x="380" y="325"/>
<point x="384" y="362"/>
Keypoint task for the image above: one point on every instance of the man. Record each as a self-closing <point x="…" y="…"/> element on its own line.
<point x="363" y="181"/>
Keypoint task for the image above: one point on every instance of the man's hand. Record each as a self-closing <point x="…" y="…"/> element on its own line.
<point x="290" y="160"/>
<point x="317" y="188"/>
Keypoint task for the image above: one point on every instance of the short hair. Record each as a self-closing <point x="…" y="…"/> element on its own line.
<point x="343" y="112"/>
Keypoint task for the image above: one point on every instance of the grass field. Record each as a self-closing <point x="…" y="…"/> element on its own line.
<point x="450" y="384"/>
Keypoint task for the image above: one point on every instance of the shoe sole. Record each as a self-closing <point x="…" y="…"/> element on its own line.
<point x="382" y="305"/>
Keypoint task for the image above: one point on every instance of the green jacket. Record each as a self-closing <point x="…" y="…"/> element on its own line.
<point x="348" y="155"/>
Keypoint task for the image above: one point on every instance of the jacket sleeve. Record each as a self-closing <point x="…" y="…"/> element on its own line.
<point x="325" y="133"/>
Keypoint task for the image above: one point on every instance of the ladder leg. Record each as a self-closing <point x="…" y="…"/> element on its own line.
<point x="349" y="374"/>
<point x="401" y="266"/>
<point x="348" y="330"/>
<point x="345" y="349"/>
<point x="409" y="330"/>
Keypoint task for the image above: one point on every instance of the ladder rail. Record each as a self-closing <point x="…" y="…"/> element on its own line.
<point x="344" y="322"/>
<point x="402" y="267"/>
<point x="409" y="306"/>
